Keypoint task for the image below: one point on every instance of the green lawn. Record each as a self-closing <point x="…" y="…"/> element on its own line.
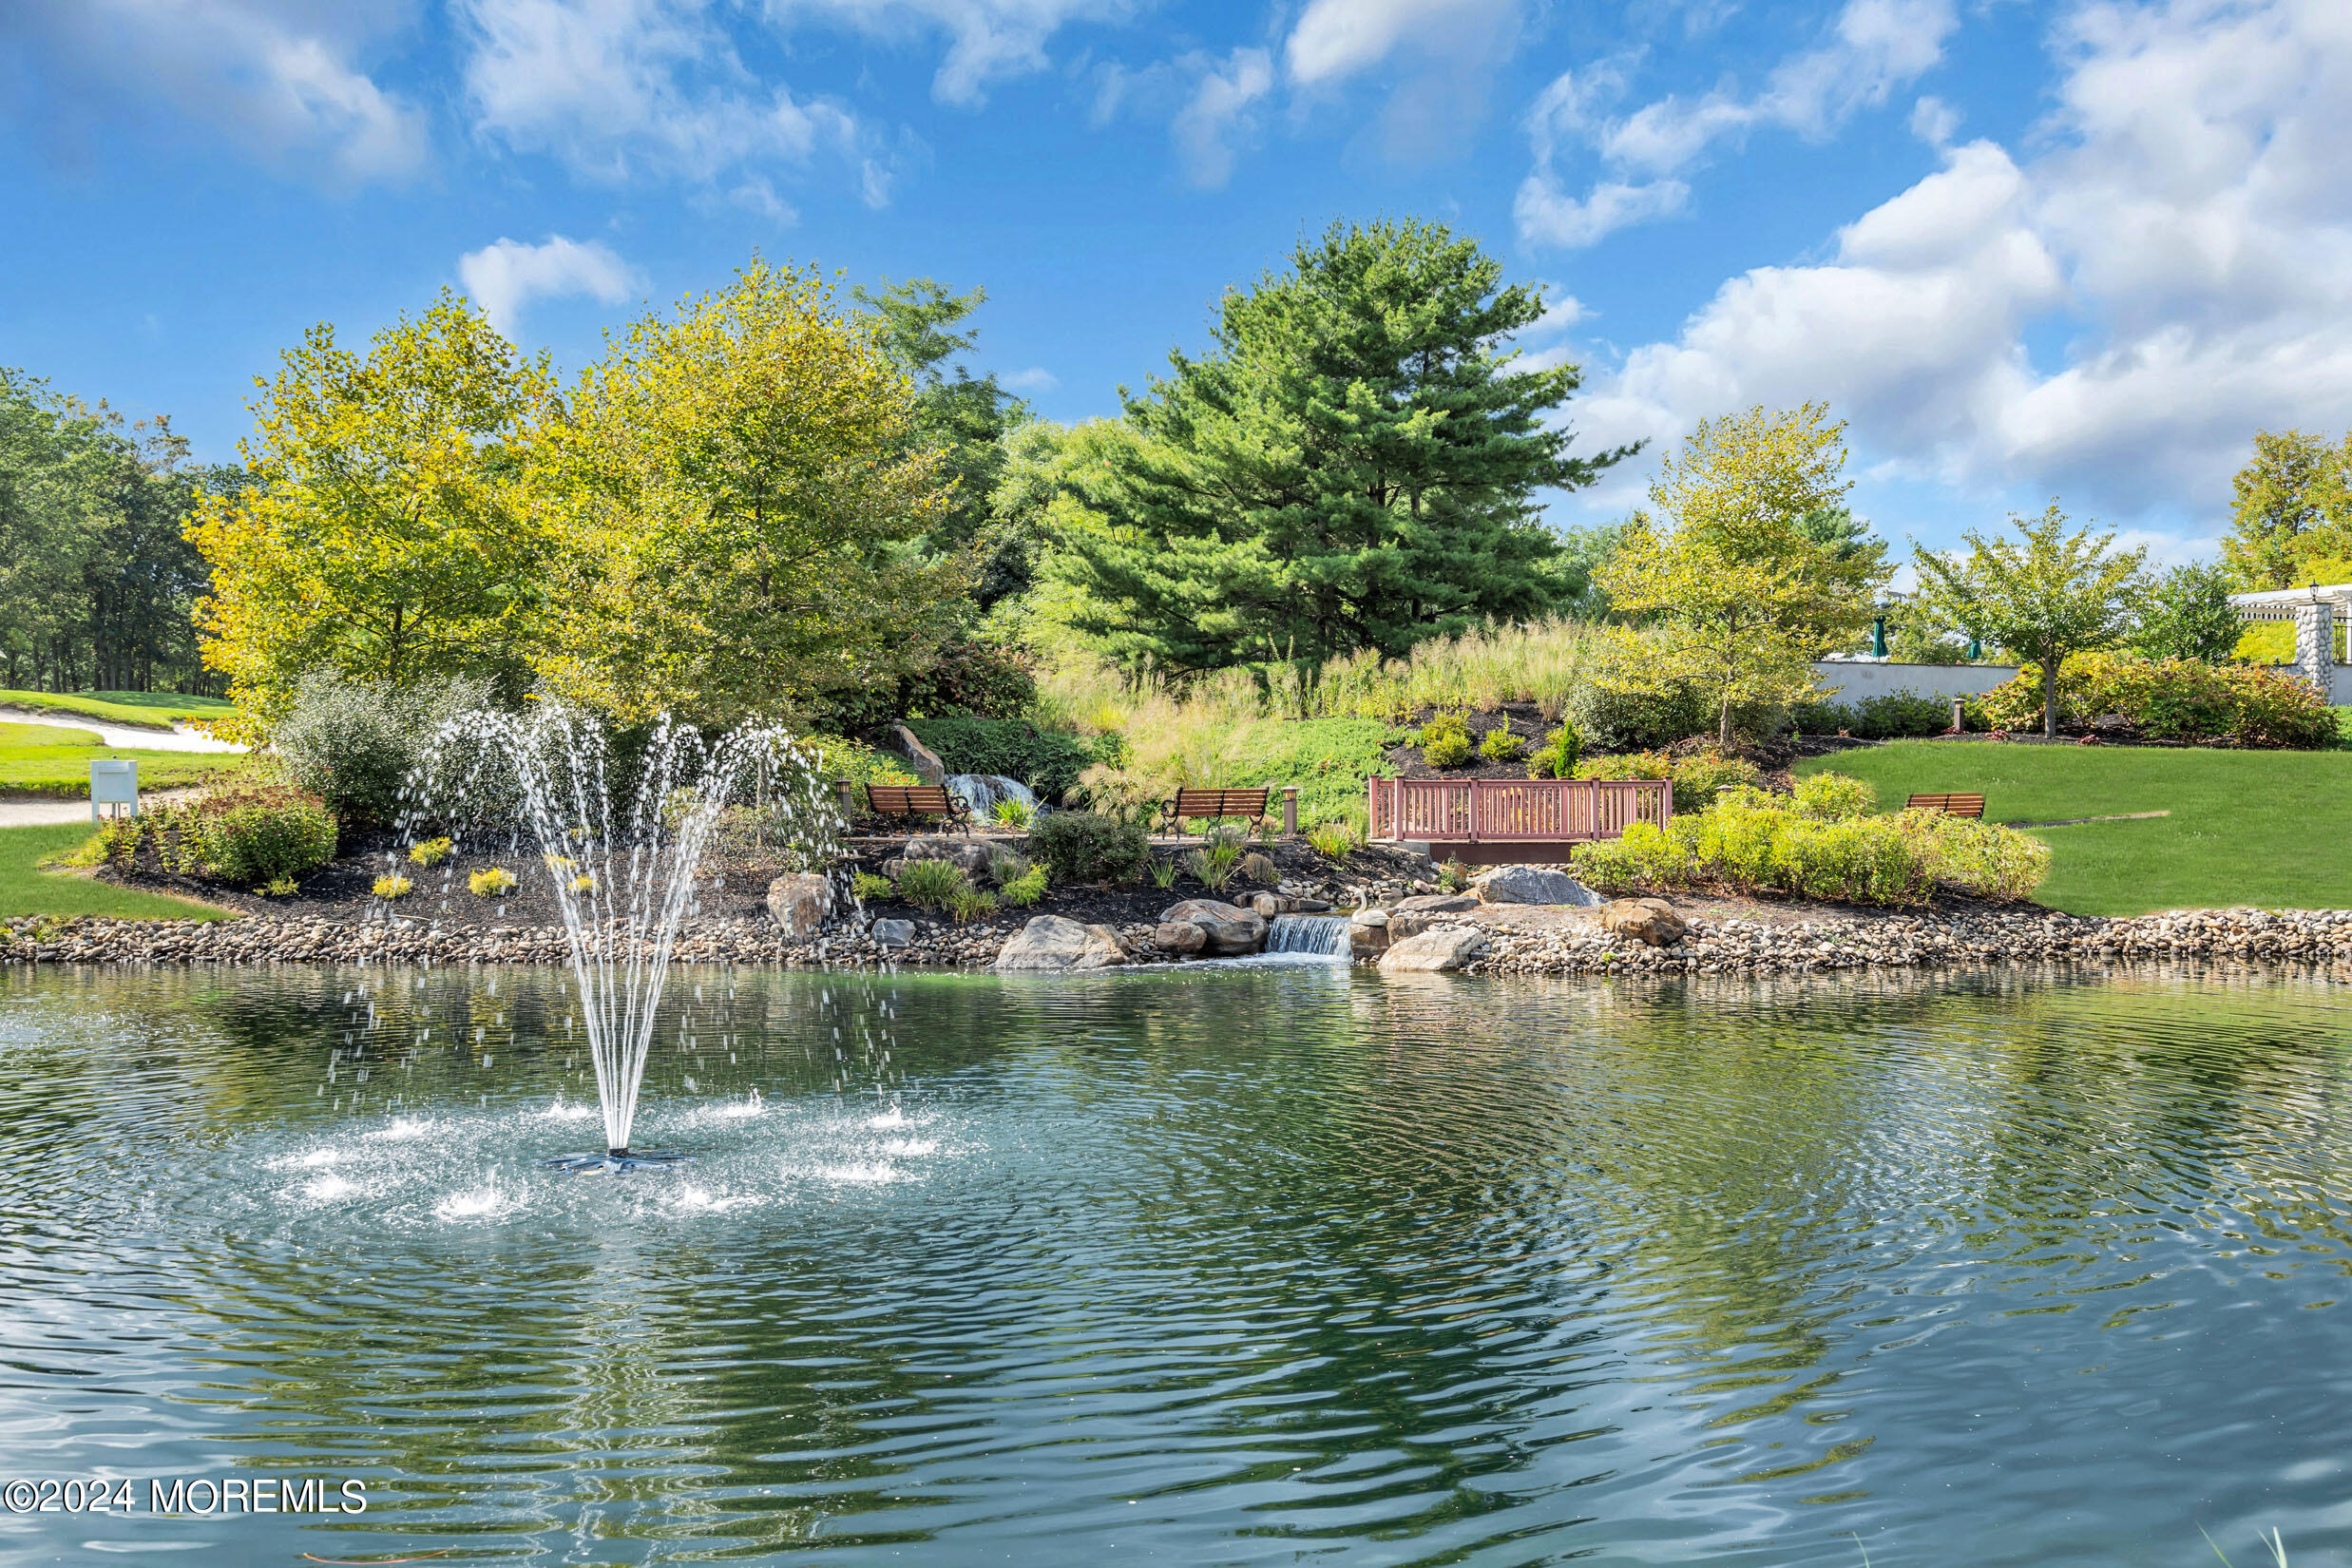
<point x="51" y="763"/>
<point x="2268" y="828"/>
<point x="26" y="889"/>
<point x="154" y="709"/>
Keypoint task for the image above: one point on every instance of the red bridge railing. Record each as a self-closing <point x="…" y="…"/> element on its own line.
<point x="1553" y="810"/>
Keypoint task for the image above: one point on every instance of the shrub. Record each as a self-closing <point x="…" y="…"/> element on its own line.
<point x="1755" y="842"/>
<point x="1695" y="777"/>
<point x="968" y="677"/>
<point x="263" y="833"/>
<point x="968" y="904"/>
<point x="1445" y="741"/>
<point x="278" y="887"/>
<point x="839" y="757"/>
<point x="1005" y="866"/>
<point x="1216" y="863"/>
<point x="584" y="883"/>
<point x="1558" y="754"/>
<point x="1453" y="876"/>
<point x="1048" y="763"/>
<point x="1333" y="840"/>
<point x="930" y="884"/>
<point x="867" y="886"/>
<point x="1499" y="745"/>
<point x="2172" y="700"/>
<point x="352" y="743"/>
<point x="429" y="851"/>
<point x="395" y="886"/>
<point x="1833" y="797"/>
<point x="1260" y="869"/>
<point x="1895" y="715"/>
<point x="1026" y="888"/>
<point x="1164" y="874"/>
<point x="1014" y="814"/>
<point x="492" y="882"/>
<point x="1085" y="846"/>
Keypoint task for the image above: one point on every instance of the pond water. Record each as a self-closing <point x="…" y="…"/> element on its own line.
<point x="1250" y="1266"/>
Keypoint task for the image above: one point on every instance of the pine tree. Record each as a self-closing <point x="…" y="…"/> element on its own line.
<point x="1353" y="466"/>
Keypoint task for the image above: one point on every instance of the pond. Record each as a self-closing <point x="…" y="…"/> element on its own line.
<point x="1250" y="1265"/>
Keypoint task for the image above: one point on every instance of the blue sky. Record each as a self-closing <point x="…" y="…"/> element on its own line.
<point x="2030" y="250"/>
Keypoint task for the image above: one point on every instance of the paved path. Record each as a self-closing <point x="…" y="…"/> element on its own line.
<point x="32" y="814"/>
<point x="178" y="738"/>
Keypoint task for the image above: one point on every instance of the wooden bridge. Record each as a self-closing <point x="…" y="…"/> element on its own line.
<point x="1500" y="821"/>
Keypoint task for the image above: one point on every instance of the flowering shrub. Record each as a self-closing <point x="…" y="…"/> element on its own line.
<point x="495" y="882"/>
<point x="393" y="885"/>
<point x="1820" y="845"/>
<point x="2174" y="699"/>
<point x="429" y="851"/>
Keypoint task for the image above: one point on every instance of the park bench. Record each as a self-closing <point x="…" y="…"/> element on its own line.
<point x="912" y="800"/>
<point x="1951" y="805"/>
<point x="1216" y="803"/>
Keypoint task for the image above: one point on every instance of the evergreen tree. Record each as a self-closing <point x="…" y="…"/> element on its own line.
<point x="1353" y="466"/>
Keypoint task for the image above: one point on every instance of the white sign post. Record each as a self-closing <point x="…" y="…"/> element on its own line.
<point x="114" y="781"/>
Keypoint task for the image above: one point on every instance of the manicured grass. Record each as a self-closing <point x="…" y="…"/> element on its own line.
<point x="2265" y="829"/>
<point x="54" y="772"/>
<point x="155" y="709"/>
<point x="26" y="889"/>
<point x="45" y="736"/>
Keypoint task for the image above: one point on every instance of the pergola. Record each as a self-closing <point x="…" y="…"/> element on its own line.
<point x="2318" y="610"/>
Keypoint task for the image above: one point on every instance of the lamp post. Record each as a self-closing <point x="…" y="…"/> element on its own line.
<point x="1878" y="631"/>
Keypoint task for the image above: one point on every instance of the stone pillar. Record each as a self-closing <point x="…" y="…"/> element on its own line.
<point x="2315" y="646"/>
<point x="1290" y="811"/>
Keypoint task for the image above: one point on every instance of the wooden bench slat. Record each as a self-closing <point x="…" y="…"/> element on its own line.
<point x="1200" y="802"/>
<point x="911" y="800"/>
<point x="1951" y="805"/>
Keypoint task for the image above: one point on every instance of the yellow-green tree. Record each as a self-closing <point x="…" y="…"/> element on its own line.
<point x="1751" y="567"/>
<point x="740" y="500"/>
<point x="384" y="530"/>
<point x="2290" y="518"/>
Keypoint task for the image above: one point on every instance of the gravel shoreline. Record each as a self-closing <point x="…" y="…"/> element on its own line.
<point x="1713" y="946"/>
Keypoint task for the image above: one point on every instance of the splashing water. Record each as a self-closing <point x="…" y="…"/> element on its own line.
<point x="623" y="861"/>
<point x="979" y="792"/>
<point x="1323" y="936"/>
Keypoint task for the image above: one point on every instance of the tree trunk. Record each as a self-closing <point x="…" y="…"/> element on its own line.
<point x="1723" y="727"/>
<point x="2050" y="699"/>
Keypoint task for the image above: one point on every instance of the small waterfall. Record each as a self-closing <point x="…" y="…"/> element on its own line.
<point x="980" y="791"/>
<point x="1319" y="935"/>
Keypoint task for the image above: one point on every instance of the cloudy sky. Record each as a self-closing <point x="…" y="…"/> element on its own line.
<point x="2081" y="250"/>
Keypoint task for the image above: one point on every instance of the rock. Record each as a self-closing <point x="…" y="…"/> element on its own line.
<point x="893" y="933"/>
<point x="1229" y="929"/>
<point x="1533" y="885"/>
<point x="970" y="853"/>
<point x="1270" y="904"/>
<point x="1179" y="936"/>
<point x="1447" y="947"/>
<point x="1650" y="920"/>
<point x="1365" y="941"/>
<point x="1052" y="943"/>
<point x="800" y="901"/>
<point x="1436" y="903"/>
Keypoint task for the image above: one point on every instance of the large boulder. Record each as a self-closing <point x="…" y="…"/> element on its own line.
<point x="1446" y="948"/>
<point x="1052" y="943"/>
<point x="800" y="901"/>
<point x="1368" y="932"/>
<point x="1412" y="916"/>
<point x="1533" y="885"/>
<point x="1226" y="928"/>
<point x="970" y="853"/>
<point x="893" y="933"/>
<point x="1650" y="920"/>
<point x="1179" y="936"/>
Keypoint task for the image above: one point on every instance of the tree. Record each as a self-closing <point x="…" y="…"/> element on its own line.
<point x="967" y="419"/>
<point x="1354" y="465"/>
<point x="2187" y="614"/>
<point x="96" y="580"/>
<point x="2044" y="597"/>
<point x="383" y="529"/>
<point x="2293" y="503"/>
<point x="740" y="506"/>
<point x="1741" y="627"/>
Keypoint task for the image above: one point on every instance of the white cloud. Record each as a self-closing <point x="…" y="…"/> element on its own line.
<point x="990" y="39"/>
<point x="279" y="77"/>
<point x="2191" y="220"/>
<point x="619" y="88"/>
<point x="1440" y="56"/>
<point x="1935" y="122"/>
<point x="507" y="275"/>
<point x="1873" y="48"/>
<point x="1219" y="113"/>
<point x="1037" y="379"/>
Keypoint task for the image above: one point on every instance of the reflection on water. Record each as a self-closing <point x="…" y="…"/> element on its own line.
<point x="1250" y="1265"/>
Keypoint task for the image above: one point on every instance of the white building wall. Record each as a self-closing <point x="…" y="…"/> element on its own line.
<point x="1855" y="681"/>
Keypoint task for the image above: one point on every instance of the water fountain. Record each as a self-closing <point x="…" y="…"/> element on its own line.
<point x="624" y="875"/>
<point x="1313" y="935"/>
